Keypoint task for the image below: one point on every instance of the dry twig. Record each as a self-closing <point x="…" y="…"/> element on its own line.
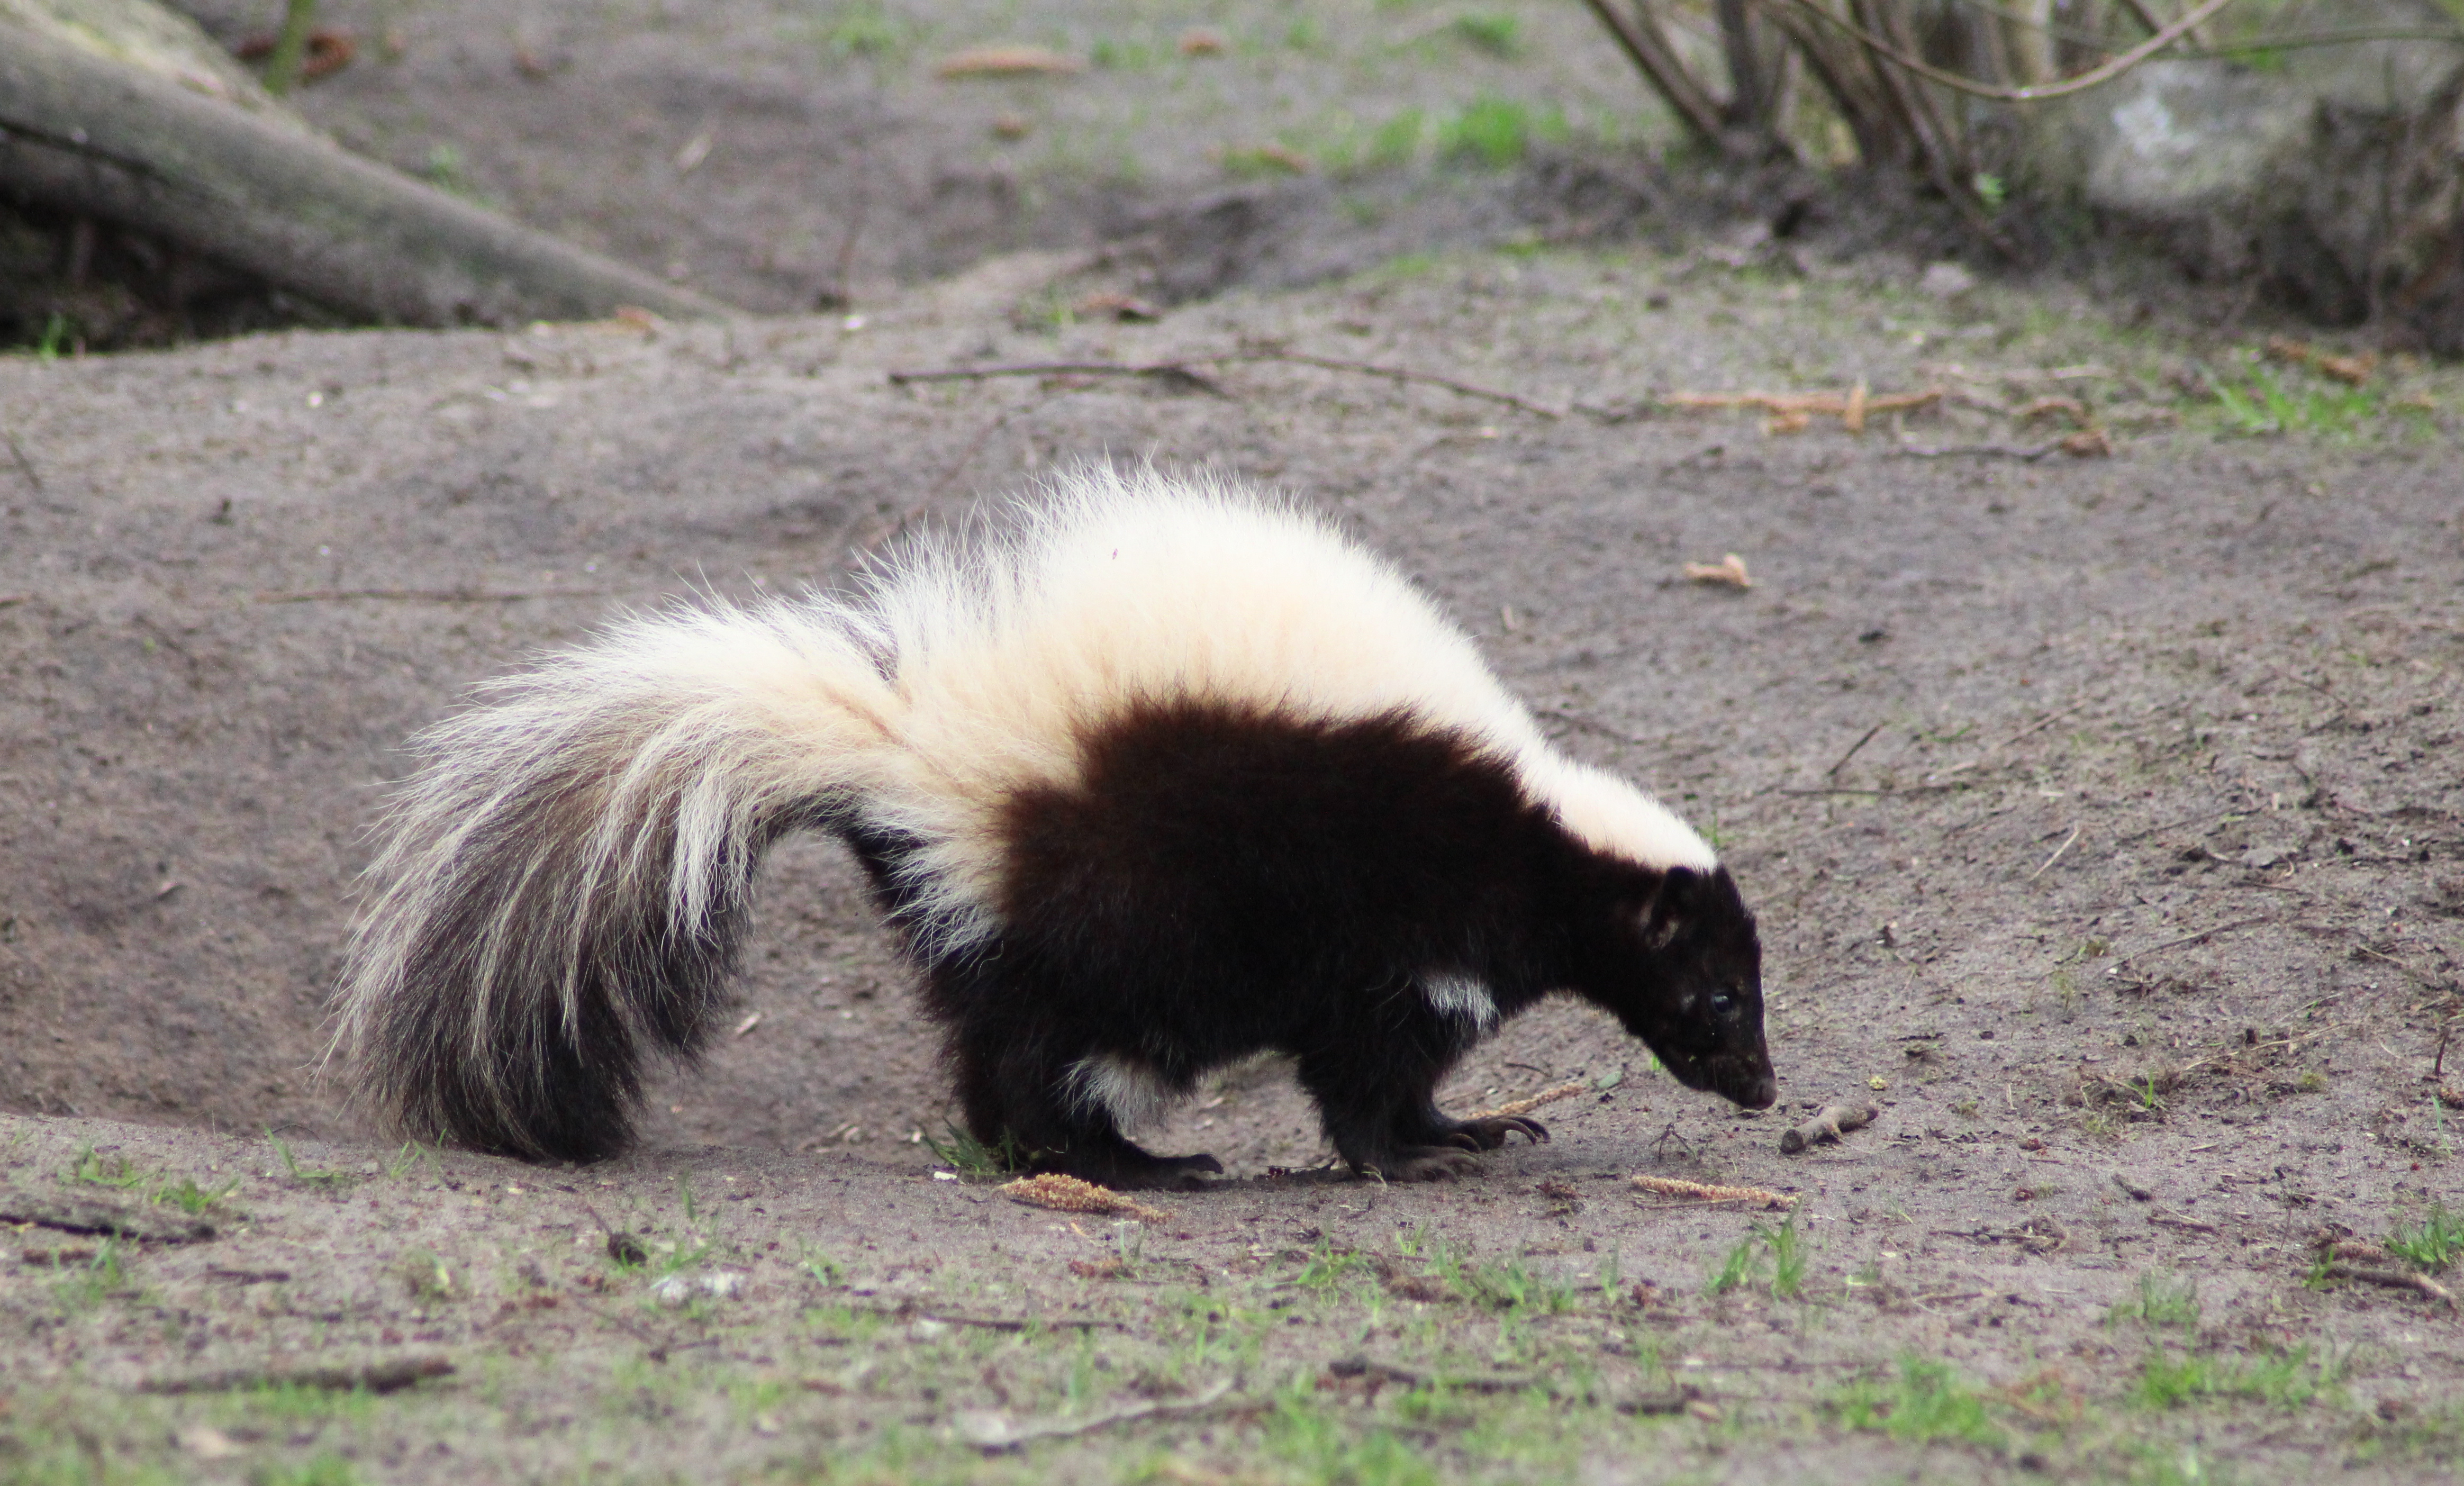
<point x="1705" y="1191"/>
<point x="1828" y="1125"/>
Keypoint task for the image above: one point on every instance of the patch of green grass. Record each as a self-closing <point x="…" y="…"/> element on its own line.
<point x="304" y="1176"/>
<point x="862" y="29"/>
<point x="1398" y="140"/>
<point x="1495" y="132"/>
<point x="59" y="331"/>
<point x="97" y="1170"/>
<point x="2160" y="1300"/>
<point x="2286" y="1380"/>
<point x="1252" y="161"/>
<point x="1768" y="1254"/>
<point x="325" y="1469"/>
<point x="427" y="1278"/>
<point x="1511" y="1287"/>
<point x="1498" y="35"/>
<point x="2266" y="407"/>
<point x="1304" y="1431"/>
<point x="1925" y="1401"/>
<point x="1122" y="55"/>
<point x="969" y="1156"/>
<point x="2435" y="1242"/>
<point x="192" y="1200"/>
<point x="84" y="1286"/>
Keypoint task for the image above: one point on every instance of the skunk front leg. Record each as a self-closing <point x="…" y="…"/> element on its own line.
<point x="1375" y="1094"/>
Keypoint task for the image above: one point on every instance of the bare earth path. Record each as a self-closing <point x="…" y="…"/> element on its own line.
<point x="2104" y="814"/>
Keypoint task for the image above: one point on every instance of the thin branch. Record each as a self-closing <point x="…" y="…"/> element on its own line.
<point x="1641" y="36"/>
<point x="1833" y="771"/>
<point x="2067" y="842"/>
<point x="2095" y="76"/>
<point x="1177" y="370"/>
<point x="2176" y="944"/>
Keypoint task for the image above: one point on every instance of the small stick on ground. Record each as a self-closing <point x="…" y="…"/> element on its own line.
<point x="993" y="1432"/>
<point x="1705" y="1191"/>
<point x="1068" y="1195"/>
<point x="1526" y="1104"/>
<point x="385" y="1376"/>
<point x="2394" y="1280"/>
<point x="1828" y="1125"/>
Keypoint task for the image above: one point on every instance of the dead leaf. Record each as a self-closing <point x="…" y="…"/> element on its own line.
<point x="2088" y="443"/>
<point x="1853" y="416"/>
<point x="1007" y="61"/>
<point x="1202" y="42"/>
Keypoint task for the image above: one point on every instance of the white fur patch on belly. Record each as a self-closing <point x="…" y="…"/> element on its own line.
<point x="1133" y="1093"/>
<point x="1461" y="996"/>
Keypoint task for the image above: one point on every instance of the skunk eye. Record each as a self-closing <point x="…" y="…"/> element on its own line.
<point x="1722" y="1003"/>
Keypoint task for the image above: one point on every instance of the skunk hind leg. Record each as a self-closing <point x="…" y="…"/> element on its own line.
<point x="1057" y="1116"/>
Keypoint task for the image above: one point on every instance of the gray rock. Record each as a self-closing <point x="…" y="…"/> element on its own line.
<point x="2336" y="179"/>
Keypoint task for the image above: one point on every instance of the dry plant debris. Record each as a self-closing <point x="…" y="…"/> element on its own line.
<point x="1828" y="1125"/>
<point x="1068" y="1195"/>
<point x="1705" y="1191"/>
<point x="1007" y="62"/>
<point x="2350" y="370"/>
<point x="1792" y="412"/>
<point x="1729" y="571"/>
<point x="1528" y="1102"/>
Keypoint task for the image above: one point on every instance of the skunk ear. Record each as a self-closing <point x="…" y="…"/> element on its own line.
<point x="1673" y="904"/>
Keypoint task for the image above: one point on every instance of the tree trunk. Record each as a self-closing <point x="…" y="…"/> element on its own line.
<point x="178" y="154"/>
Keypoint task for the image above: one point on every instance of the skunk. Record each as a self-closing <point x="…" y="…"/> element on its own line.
<point x="1166" y="777"/>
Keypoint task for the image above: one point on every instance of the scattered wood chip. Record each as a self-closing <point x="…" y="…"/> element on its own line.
<point x="1007" y="62"/>
<point x="1828" y="1125"/>
<point x="2069" y="407"/>
<point x="2135" y="1192"/>
<point x="1202" y="42"/>
<point x="2088" y="443"/>
<point x="747" y="1024"/>
<point x="1793" y="421"/>
<point x="1530" y="1102"/>
<point x="1730" y="570"/>
<point x="1853" y="416"/>
<point x="327" y="52"/>
<point x="1099" y="1269"/>
<point x="1070" y="1194"/>
<point x="384" y="1377"/>
<point x="2351" y="370"/>
<point x="1705" y="1191"/>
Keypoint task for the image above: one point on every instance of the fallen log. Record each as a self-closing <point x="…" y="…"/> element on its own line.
<point x="96" y="127"/>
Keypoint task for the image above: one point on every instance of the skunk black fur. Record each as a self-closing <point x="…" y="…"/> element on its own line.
<point x="1172" y="777"/>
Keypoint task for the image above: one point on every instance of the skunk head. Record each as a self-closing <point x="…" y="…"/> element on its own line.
<point x="1685" y="973"/>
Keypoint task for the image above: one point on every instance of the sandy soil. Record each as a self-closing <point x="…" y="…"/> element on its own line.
<point x="2104" y="815"/>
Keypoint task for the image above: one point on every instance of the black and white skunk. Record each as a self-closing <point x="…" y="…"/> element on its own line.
<point x="1169" y="776"/>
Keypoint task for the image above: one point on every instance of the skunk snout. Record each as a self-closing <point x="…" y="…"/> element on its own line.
<point x="1746" y="1080"/>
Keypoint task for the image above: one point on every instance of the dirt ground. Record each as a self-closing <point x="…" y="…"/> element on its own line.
<point x="2104" y="815"/>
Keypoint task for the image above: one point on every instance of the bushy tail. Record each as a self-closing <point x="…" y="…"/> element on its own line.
<point x="565" y="884"/>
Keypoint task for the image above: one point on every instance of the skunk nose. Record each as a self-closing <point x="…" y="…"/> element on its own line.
<point x="1764" y="1093"/>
